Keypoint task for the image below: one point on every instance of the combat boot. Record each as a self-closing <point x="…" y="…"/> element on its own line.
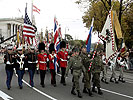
<point x="99" y="91"/>
<point x="119" y="79"/>
<point x="79" y="94"/>
<point x="102" y="79"/>
<point x="106" y="81"/>
<point x="89" y="91"/>
<point x="85" y="90"/>
<point x="72" y="91"/>
<point x="93" y="89"/>
<point x="122" y="80"/>
<point x="116" y="81"/>
<point x="111" y="80"/>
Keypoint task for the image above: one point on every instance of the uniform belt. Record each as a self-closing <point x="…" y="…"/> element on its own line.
<point x="42" y="62"/>
<point x="76" y="68"/>
<point x="31" y="62"/>
<point x="63" y="60"/>
<point x="10" y="63"/>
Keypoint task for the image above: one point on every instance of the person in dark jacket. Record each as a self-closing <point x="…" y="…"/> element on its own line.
<point x="9" y="60"/>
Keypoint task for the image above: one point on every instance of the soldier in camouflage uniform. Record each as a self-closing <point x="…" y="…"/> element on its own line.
<point x="77" y="67"/>
<point x="86" y="62"/>
<point x="97" y="67"/>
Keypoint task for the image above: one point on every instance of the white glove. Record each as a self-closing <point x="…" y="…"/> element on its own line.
<point x="8" y="62"/>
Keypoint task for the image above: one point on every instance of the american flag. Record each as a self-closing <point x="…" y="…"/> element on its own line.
<point x="56" y="36"/>
<point x="29" y="29"/>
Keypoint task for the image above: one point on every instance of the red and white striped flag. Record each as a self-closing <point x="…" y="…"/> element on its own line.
<point x="28" y="29"/>
<point x="36" y="9"/>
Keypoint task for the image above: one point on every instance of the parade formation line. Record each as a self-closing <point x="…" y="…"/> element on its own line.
<point x="113" y="91"/>
<point x="37" y="90"/>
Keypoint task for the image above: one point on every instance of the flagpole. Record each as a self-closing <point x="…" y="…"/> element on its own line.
<point x="31" y="11"/>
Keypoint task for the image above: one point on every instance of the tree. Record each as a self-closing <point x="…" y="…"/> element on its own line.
<point x="99" y="11"/>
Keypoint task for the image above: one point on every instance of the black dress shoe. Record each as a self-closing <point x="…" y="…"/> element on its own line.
<point x="8" y="88"/>
<point x="85" y="90"/>
<point x="54" y="85"/>
<point x="64" y="84"/>
<point x="43" y="85"/>
<point x="21" y="87"/>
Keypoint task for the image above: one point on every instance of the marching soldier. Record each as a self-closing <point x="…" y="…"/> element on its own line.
<point x="104" y="72"/>
<point x="63" y="54"/>
<point x="112" y="65"/>
<point x="76" y="65"/>
<point x="51" y="64"/>
<point x="122" y="64"/>
<point x="9" y="60"/>
<point x="86" y="62"/>
<point x="20" y="58"/>
<point x="32" y="62"/>
<point x="96" y="69"/>
<point x="42" y="61"/>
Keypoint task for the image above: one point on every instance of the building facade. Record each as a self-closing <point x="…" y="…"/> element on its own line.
<point x="9" y="27"/>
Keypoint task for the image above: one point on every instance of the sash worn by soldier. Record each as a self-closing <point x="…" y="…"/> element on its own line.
<point x="42" y="61"/>
<point x="86" y="62"/>
<point x="9" y="60"/>
<point x="63" y="54"/>
<point x="77" y="67"/>
<point x="32" y="62"/>
<point x="20" y="66"/>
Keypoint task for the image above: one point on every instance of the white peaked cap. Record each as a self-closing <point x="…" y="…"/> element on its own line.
<point x="19" y="48"/>
<point x="9" y="47"/>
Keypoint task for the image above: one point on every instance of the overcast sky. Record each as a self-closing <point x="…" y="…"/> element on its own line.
<point x="66" y="11"/>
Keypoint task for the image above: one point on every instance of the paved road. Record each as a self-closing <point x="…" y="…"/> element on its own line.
<point x="112" y="91"/>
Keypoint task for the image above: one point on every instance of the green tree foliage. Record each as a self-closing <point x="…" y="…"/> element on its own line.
<point x="99" y="11"/>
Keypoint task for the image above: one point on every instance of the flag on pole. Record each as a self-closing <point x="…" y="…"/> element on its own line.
<point x="88" y="41"/>
<point x="108" y="36"/>
<point x="56" y="36"/>
<point x="18" y="37"/>
<point x="123" y="49"/>
<point x="35" y="9"/>
<point x="28" y="29"/>
<point x="60" y="35"/>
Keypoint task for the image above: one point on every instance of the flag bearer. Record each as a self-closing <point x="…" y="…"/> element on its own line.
<point x="9" y="60"/>
<point x="32" y="62"/>
<point x="86" y="62"/>
<point x="42" y="61"/>
<point x="52" y="62"/>
<point x="20" y="58"/>
<point x="63" y="54"/>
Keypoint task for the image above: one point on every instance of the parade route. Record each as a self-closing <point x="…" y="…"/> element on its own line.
<point x="112" y="91"/>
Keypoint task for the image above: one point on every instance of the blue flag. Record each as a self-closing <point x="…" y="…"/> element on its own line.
<point x="88" y="41"/>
